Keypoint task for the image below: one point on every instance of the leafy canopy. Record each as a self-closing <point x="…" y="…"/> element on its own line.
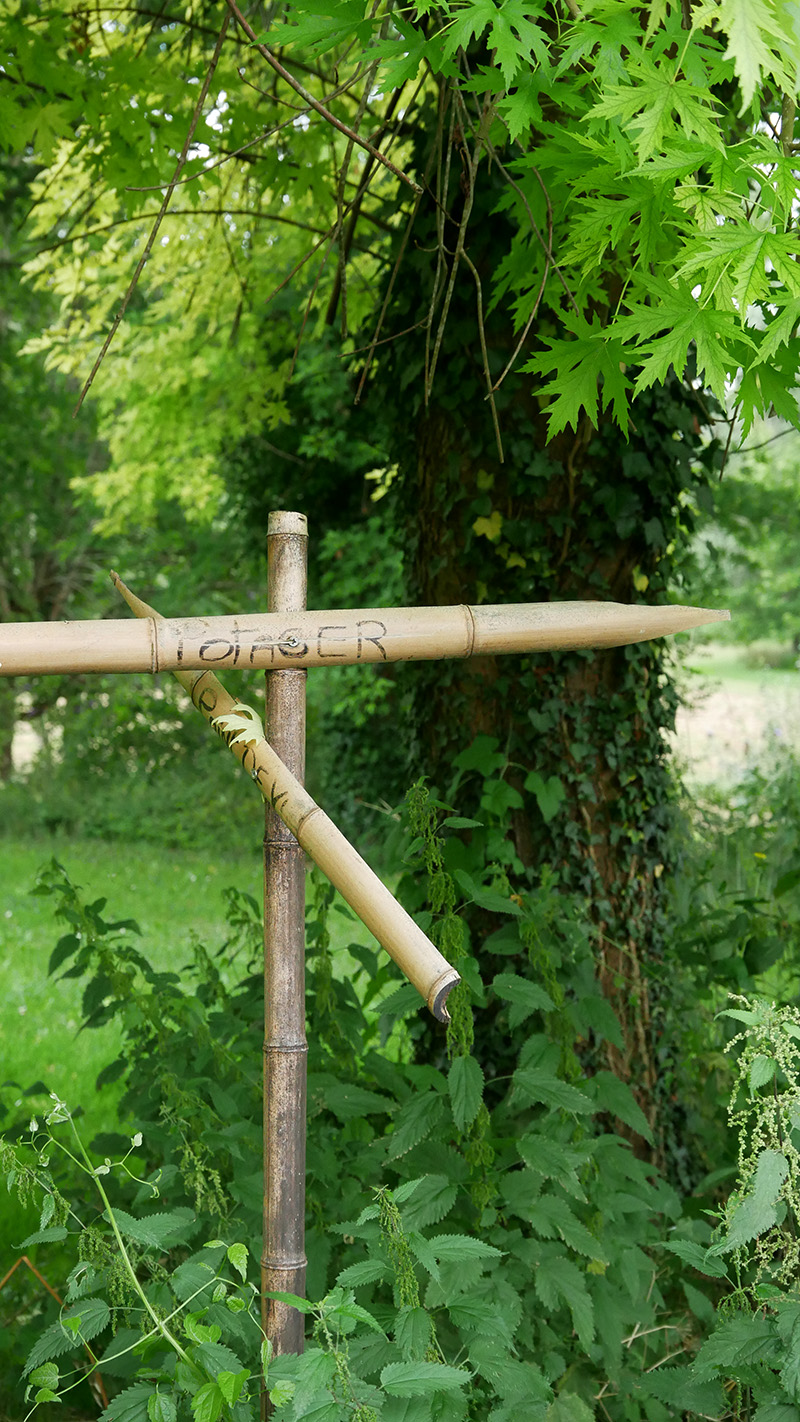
<point x="644" y="157"/>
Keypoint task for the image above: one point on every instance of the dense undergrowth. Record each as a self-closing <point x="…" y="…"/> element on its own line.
<point x="489" y="1233"/>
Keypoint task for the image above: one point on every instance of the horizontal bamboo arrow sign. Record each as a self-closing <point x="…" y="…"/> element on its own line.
<point x="338" y="638"/>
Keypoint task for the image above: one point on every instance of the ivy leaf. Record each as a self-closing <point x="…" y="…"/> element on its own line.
<point x="550" y="794"/>
<point x="418" y="1379"/>
<point x="465" y="1080"/>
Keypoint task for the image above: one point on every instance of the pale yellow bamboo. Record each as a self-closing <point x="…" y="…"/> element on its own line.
<point x="339" y="638"/>
<point x="360" y="887"/>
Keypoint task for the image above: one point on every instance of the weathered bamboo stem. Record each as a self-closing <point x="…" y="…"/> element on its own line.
<point x="317" y="639"/>
<point x="360" y="887"/>
<point x="283" y="1263"/>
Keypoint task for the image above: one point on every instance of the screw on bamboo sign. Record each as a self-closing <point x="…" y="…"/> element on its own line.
<point x="284" y="641"/>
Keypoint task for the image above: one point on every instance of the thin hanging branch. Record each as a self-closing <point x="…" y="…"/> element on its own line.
<point x="487" y="372"/>
<point x="315" y="103"/>
<point x="198" y="109"/>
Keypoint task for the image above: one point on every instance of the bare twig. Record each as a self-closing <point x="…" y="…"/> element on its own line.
<point x="198" y="109"/>
<point x="751" y="448"/>
<point x="485" y="354"/>
<point x="472" y="162"/>
<point x="315" y="103"/>
<point x="395" y="269"/>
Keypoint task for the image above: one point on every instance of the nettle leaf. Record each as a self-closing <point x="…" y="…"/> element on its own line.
<point x="461" y="1248"/>
<point x="757" y="1212"/>
<point x="699" y="1258"/>
<point x="414" y="1121"/>
<point x="154" y="1231"/>
<point x="557" y="1280"/>
<point x="433" y="1198"/>
<point x="538" y="1084"/>
<point x="553" y="1161"/>
<point x="412" y="1331"/>
<point x="762" y="1070"/>
<point x="465" y="1080"/>
<point x="130" y="1405"/>
<point x="208" y="1402"/>
<point x="161" y="1408"/>
<point x="615" y="1096"/>
<point x="525" y="997"/>
<point x="568" y="1407"/>
<point x="419" y="1379"/>
<point x="551" y="1216"/>
<point x="88" y="1317"/>
<point x="748" y="1338"/>
<point x="367" y="1271"/>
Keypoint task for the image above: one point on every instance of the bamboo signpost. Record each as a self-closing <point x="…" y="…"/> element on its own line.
<point x="285" y="641"/>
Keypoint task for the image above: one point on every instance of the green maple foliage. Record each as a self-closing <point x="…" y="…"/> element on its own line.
<point x="649" y="168"/>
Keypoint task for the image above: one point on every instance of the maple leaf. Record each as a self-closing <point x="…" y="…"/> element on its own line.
<point x="666" y="330"/>
<point x="587" y="370"/>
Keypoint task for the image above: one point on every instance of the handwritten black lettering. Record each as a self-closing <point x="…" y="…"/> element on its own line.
<point x="238" y="634"/>
<point x="206" y="655"/>
<point x="376" y="640"/>
<point x="180" y="649"/>
<point x="207" y="701"/>
<point x="263" y="644"/>
<point x="329" y="627"/>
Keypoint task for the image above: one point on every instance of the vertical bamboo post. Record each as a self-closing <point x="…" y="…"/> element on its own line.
<point x="283" y="1263"/>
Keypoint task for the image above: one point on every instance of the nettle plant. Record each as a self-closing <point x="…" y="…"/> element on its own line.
<point x="750" y="1365"/>
<point x="481" y="1238"/>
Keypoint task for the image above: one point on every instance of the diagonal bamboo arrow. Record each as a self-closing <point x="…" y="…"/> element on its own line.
<point x="360" y="887"/>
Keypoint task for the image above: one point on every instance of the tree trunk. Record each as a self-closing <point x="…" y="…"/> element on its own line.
<point x="584" y="517"/>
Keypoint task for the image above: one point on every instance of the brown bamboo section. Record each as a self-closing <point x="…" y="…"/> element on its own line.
<point x="321" y="639"/>
<point x="283" y="1261"/>
<point x="360" y="887"/>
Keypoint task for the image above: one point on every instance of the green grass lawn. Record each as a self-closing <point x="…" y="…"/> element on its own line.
<point x="170" y="893"/>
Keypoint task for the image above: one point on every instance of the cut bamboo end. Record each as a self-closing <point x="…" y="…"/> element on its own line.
<point x="439" y="994"/>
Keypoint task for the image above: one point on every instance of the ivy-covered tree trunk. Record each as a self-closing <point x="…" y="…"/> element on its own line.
<point x="588" y="516"/>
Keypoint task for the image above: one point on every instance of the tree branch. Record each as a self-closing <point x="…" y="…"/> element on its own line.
<point x="198" y="109"/>
<point x="315" y="103"/>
